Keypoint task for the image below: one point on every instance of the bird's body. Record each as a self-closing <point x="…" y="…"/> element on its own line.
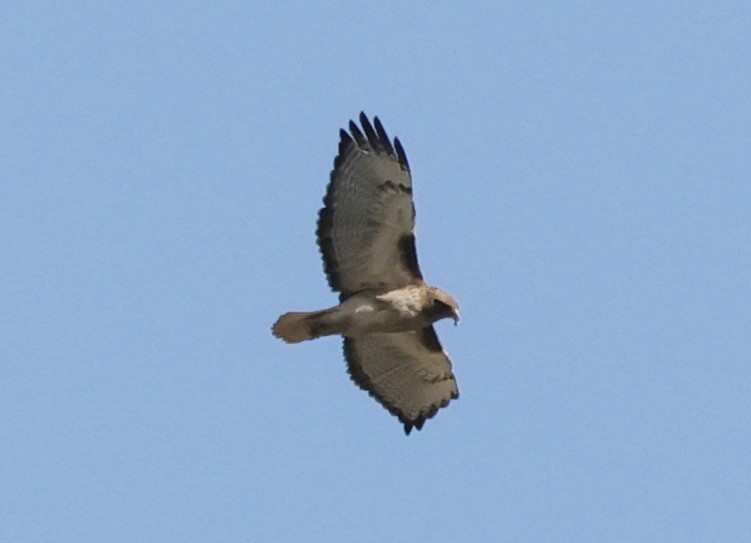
<point x="386" y="311"/>
<point x="398" y="310"/>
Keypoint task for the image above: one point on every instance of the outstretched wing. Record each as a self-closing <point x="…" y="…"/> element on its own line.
<point x="409" y="373"/>
<point x="366" y="227"/>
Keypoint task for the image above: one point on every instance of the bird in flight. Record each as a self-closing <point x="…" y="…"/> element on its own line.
<point x="386" y="311"/>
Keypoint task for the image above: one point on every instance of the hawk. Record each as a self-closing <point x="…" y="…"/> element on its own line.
<point x="386" y="311"/>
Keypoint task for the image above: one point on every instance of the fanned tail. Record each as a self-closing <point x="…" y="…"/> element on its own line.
<point x="297" y="326"/>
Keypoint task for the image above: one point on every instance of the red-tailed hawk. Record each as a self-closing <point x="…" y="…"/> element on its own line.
<point x="386" y="315"/>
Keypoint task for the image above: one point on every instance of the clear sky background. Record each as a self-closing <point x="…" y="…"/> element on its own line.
<point x="582" y="176"/>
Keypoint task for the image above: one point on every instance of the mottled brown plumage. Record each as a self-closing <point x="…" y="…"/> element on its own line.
<point x="386" y="311"/>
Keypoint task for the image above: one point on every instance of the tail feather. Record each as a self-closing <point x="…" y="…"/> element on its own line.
<point x="294" y="327"/>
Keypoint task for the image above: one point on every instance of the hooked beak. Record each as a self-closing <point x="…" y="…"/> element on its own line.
<point x="455" y="316"/>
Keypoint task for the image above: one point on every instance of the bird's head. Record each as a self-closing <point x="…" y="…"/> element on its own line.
<point x="444" y="305"/>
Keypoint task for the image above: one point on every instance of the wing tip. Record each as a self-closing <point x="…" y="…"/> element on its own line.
<point x="409" y="425"/>
<point x="373" y="136"/>
<point x="363" y="117"/>
<point x="401" y="155"/>
<point x="418" y="422"/>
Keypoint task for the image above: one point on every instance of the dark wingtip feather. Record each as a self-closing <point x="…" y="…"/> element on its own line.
<point x="410" y="425"/>
<point x="373" y="136"/>
<point x="364" y="119"/>
<point x="401" y="154"/>
<point x="383" y="137"/>
<point x="373" y="139"/>
<point x="357" y="133"/>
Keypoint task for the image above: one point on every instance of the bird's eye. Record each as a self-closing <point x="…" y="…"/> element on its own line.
<point x="443" y="305"/>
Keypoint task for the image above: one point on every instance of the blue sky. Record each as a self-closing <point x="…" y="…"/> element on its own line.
<point x="582" y="175"/>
